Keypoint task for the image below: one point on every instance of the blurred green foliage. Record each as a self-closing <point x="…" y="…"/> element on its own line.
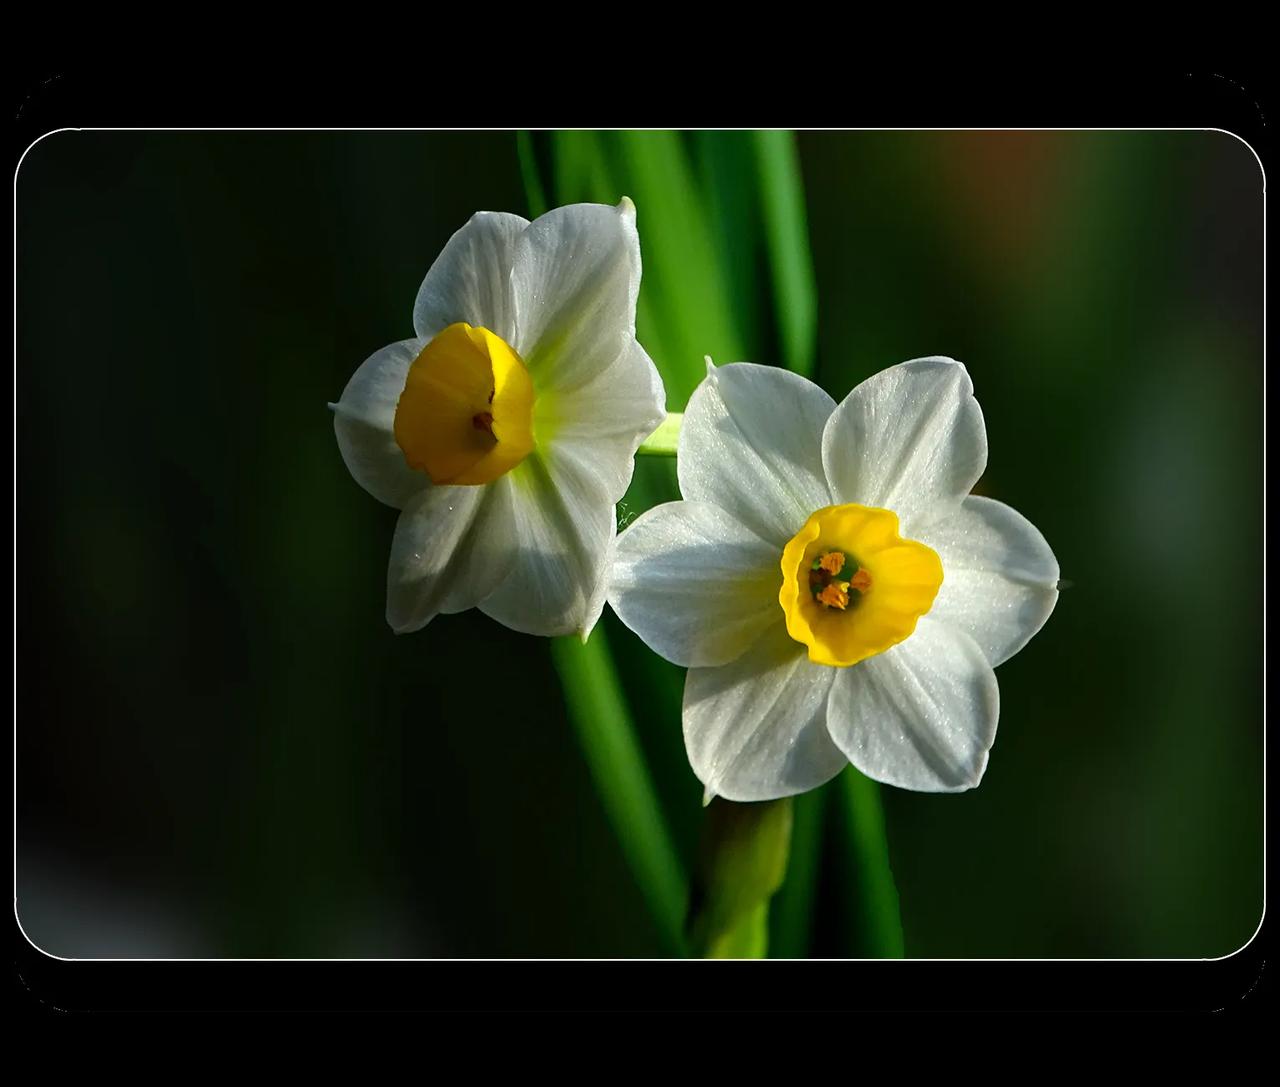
<point x="223" y="750"/>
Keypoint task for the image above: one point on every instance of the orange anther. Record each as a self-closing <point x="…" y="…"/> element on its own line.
<point x="834" y="596"/>
<point x="832" y="562"/>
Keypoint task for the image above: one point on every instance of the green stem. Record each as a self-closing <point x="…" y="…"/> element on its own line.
<point x="598" y="710"/>
<point x="791" y="917"/>
<point x="741" y="863"/>
<point x="876" y="929"/>
<point x="663" y="441"/>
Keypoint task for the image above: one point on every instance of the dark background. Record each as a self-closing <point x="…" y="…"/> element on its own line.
<point x="222" y="750"/>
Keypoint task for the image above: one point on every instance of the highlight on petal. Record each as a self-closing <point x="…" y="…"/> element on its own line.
<point x="1001" y="580"/>
<point x="363" y="422"/>
<point x="751" y="443"/>
<point x="696" y="585"/>
<point x="452" y="547"/>
<point x="755" y="729"/>
<point x="920" y="716"/>
<point x="910" y="439"/>
<point x="574" y="281"/>
<point x="563" y="524"/>
<point x="471" y="278"/>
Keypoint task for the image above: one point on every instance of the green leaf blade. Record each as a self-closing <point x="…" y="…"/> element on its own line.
<point x="599" y="713"/>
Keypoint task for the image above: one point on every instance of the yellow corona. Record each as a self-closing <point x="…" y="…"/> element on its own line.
<point x="852" y="587"/>
<point x="466" y="414"/>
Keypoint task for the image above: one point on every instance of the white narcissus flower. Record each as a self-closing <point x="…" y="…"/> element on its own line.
<point x="835" y="591"/>
<point x="506" y="429"/>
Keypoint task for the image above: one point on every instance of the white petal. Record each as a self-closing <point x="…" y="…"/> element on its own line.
<point x="471" y="278"/>
<point x="574" y="281"/>
<point x="751" y="443"/>
<point x="755" y="729"/>
<point x="363" y="418"/>
<point x="921" y="715"/>
<point x="607" y="418"/>
<point x="451" y="547"/>
<point x="564" y="495"/>
<point x="698" y="586"/>
<point x="999" y="577"/>
<point x="910" y="439"/>
<point x="563" y="525"/>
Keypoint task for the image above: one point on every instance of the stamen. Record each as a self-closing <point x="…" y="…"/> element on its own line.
<point x="823" y="584"/>
<point x="861" y="580"/>
<point x="835" y="595"/>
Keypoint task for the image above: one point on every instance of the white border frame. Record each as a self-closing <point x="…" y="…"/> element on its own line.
<point x="54" y="132"/>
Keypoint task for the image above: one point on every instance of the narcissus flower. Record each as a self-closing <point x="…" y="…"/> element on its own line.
<point x="835" y="591"/>
<point x="505" y="430"/>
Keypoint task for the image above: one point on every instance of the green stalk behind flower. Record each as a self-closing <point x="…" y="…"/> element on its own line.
<point x="714" y="210"/>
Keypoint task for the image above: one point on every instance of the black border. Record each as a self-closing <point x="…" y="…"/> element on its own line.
<point x="1082" y="95"/>
<point x="1240" y="985"/>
